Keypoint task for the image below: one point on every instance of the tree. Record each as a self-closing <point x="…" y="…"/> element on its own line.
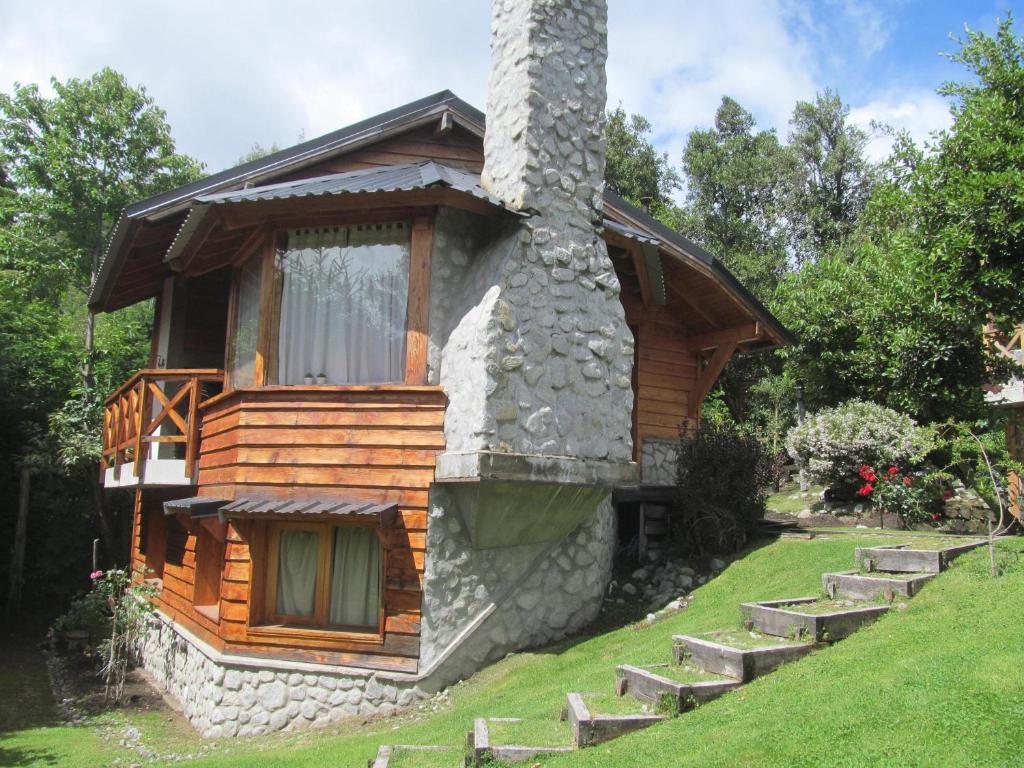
<point x="970" y="192"/>
<point x="736" y="181"/>
<point x="832" y="180"/>
<point x="73" y="161"/>
<point x="897" y="316"/>
<point x="634" y="168"/>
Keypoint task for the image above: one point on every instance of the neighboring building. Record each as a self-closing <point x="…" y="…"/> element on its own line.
<point x="1010" y="395"/>
<point x="397" y="373"/>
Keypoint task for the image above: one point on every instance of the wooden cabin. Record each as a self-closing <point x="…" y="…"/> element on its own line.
<point x="303" y="390"/>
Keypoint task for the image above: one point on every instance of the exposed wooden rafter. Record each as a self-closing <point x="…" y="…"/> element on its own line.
<point x="740" y="334"/>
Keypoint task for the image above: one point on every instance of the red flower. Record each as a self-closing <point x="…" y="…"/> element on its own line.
<point x="865" y="490"/>
<point x="947" y="494"/>
<point x="936" y="516"/>
<point x="892" y="471"/>
<point x="906" y="481"/>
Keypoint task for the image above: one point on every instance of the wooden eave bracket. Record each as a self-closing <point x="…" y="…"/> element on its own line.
<point x="740" y="334"/>
<point x="709" y="375"/>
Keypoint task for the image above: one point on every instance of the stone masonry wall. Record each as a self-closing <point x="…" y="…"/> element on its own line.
<point x="658" y="461"/>
<point x="222" y="699"/>
<point x="539" y="592"/>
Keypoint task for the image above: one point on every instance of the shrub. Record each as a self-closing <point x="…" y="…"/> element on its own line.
<point x="723" y="474"/>
<point x="912" y="498"/>
<point x="114" y="613"/>
<point x="835" y="443"/>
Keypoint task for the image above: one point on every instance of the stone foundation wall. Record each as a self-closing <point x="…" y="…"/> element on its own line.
<point x="223" y="699"/>
<point x="478" y="605"/>
<point x="658" y="461"/>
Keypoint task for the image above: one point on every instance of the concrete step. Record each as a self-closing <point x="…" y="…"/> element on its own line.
<point x="592" y="724"/>
<point x="660" y="683"/>
<point x="493" y="739"/>
<point x="741" y="655"/>
<point x="885" y="586"/>
<point x="910" y="557"/>
<point x="417" y="756"/>
<point x="809" y="618"/>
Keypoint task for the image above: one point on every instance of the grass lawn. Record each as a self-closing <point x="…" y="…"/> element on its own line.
<point x="935" y="684"/>
<point x="790" y="500"/>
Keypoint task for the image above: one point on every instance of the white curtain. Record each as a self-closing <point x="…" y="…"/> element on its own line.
<point x="247" y="320"/>
<point x="343" y="305"/>
<point x="296" y="572"/>
<point x="355" y="580"/>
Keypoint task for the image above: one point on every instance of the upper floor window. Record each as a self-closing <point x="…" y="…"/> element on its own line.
<point x="333" y="305"/>
<point x="341" y="300"/>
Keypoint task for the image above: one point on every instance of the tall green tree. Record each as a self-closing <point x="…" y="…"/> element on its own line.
<point x="736" y="179"/>
<point x="897" y="317"/>
<point x="832" y="179"/>
<point x="635" y="169"/>
<point x="73" y="160"/>
<point x="736" y="176"/>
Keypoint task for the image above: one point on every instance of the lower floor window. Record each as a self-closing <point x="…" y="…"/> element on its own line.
<point x="325" y="575"/>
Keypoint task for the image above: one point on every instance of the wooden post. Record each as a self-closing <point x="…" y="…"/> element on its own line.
<point x="18" y="556"/>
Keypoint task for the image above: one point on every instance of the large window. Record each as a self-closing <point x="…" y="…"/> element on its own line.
<point x="326" y="576"/>
<point x="342" y="297"/>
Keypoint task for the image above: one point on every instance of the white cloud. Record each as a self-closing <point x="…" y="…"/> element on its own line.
<point x="233" y="73"/>
<point x="918" y="112"/>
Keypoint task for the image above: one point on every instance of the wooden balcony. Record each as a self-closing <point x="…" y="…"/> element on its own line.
<point x="151" y="427"/>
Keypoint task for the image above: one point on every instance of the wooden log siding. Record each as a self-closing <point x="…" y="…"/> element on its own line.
<point x="377" y="443"/>
<point x="665" y="375"/>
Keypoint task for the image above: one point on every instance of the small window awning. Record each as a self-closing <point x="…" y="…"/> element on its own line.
<point x="303" y="509"/>
<point x="197" y="507"/>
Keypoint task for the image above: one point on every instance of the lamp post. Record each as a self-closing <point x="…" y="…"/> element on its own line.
<point x="798" y="389"/>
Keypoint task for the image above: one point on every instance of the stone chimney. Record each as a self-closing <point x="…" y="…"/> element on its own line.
<point x="544" y="147"/>
<point x="538" y="371"/>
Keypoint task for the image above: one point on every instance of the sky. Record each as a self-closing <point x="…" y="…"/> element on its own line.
<point x="230" y="74"/>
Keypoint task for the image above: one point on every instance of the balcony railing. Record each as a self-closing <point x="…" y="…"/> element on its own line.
<point x="153" y="419"/>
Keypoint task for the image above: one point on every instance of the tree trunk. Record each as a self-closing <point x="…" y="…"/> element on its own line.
<point x="108" y="534"/>
<point x="18" y="557"/>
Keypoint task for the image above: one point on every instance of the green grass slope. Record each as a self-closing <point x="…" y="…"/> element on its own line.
<point x="939" y="683"/>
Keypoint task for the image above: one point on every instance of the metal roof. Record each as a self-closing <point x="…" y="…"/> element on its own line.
<point x="407" y="177"/>
<point x="388" y="178"/>
<point x="365" y="131"/>
<point x="300" y="508"/>
<point x="196" y="506"/>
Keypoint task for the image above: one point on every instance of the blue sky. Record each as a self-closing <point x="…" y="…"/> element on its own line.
<point x="231" y="73"/>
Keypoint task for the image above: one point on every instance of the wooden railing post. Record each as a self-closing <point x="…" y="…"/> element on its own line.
<point x="140" y="425"/>
<point x="192" y="422"/>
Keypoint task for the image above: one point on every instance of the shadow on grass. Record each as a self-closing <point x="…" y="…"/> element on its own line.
<point x="26" y="700"/>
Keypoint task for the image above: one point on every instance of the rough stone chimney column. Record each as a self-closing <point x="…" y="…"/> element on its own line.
<point x="541" y="367"/>
<point x="544" y="147"/>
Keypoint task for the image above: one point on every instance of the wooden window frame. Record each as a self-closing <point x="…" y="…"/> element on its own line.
<point x="265" y="619"/>
<point x="417" y="328"/>
<point x="209" y="569"/>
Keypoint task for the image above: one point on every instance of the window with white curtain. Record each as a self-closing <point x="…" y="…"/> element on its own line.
<point x="242" y="353"/>
<point x="326" y="576"/>
<point x="343" y="300"/>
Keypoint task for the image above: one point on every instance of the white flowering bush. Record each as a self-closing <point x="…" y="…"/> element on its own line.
<point x="835" y="443"/>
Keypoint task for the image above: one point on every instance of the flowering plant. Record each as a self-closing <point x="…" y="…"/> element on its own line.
<point x="834" y="442"/>
<point x="896" y="492"/>
<point x="114" y="613"/>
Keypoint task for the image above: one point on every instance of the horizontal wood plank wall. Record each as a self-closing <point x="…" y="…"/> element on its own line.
<point x="456" y="148"/>
<point x="378" y="444"/>
<point x="175" y="596"/>
<point x="666" y="372"/>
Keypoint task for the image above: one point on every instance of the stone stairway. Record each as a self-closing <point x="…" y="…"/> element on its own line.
<point x="704" y="666"/>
